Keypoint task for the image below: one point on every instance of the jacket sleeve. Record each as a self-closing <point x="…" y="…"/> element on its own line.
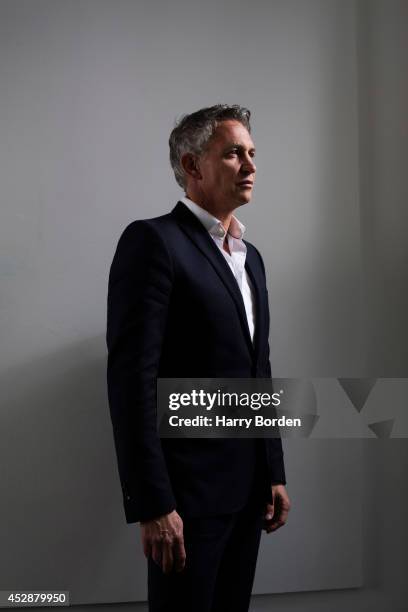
<point x="140" y="283"/>
<point x="275" y="450"/>
<point x="273" y="445"/>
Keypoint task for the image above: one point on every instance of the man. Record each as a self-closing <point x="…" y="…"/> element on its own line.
<point x="187" y="298"/>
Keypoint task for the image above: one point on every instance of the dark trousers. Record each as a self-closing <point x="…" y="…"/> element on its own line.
<point x="220" y="565"/>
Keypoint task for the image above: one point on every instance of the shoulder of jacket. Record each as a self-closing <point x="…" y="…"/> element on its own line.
<point x="155" y="226"/>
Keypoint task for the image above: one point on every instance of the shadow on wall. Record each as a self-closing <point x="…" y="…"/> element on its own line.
<point x="61" y="493"/>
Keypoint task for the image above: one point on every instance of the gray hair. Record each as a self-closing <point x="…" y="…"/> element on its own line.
<point x="192" y="132"/>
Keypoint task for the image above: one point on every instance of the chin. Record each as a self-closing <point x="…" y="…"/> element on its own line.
<point x="244" y="200"/>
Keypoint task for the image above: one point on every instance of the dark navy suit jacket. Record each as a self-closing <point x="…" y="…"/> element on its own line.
<point x="175" y="311"/>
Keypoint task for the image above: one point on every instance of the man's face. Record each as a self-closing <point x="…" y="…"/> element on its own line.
<point x="227" y="166"/>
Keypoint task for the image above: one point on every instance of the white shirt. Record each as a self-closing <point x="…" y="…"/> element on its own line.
<point x="238" y="250"/>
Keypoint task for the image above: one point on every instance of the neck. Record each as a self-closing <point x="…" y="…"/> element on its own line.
<point x="216" y="211"/>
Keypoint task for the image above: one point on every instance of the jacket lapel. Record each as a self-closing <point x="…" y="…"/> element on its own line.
<point x="257" y="282"/>
<point x="199" y="235"/>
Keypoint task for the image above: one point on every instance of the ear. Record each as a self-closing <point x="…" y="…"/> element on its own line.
<point x="190" y="165"/>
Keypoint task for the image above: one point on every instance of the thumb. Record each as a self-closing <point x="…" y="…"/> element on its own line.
<point x="269" y="512"/>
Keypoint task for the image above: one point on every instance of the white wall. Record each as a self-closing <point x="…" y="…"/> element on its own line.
<point x="383" y="154"/>
<point x="90" y="91"/>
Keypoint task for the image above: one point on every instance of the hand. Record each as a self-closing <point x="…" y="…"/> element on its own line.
<point x="277" y="513"/>
<point x="163" y="540"/>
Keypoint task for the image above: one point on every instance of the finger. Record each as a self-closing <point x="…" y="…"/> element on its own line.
<point x="167" y="555"/>
<point x="179" y="554"/>
<point x="277" y="520"/>
<point x="284" y="515"/>
<point x="157" y="552"/>
<point x="276" y="524"/>
<point x="274" y="527"/>
<point x="281" y="514"/>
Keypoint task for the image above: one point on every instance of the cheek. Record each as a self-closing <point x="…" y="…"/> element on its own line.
<point x="222" y="177"/>
<point x="229" y="173"/>
<point x="232" y="177"/>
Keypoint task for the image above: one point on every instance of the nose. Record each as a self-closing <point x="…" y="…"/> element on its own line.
<point x="248" y="165"/>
